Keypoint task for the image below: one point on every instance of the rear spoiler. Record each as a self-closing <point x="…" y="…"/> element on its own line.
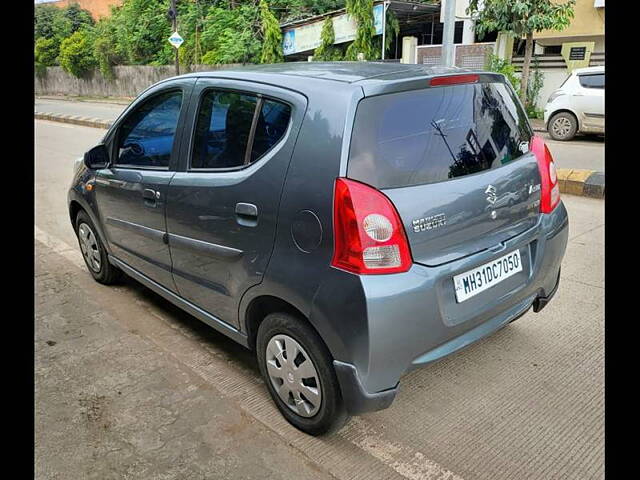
<point x="429" y="80"/>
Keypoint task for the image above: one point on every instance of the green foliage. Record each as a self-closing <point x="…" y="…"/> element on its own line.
<point x="271" y="35"/>
<point x="53" y="22"/>
<point x="520" y="17"/>
<point x="43" y="16"/>
<point x="228" y="36"/>
<point x="362" y="13"/>
<point x="141" y="31"/>
<point x="76" y="54"/>
<point x="326" y="51"/>
<point x="499" y="65"/>
<point x="105" y="49"/>
<point x="392" y="28"/>
<point x="46" y="54"/>
<point x="533" y="91"/>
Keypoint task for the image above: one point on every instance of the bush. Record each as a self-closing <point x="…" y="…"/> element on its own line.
<point x="76" y="54"/>
<point x="499" y="65"/>
<point x="46" y="51"/>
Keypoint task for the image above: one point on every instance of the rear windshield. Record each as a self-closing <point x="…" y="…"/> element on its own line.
<point x="436" y="134"/>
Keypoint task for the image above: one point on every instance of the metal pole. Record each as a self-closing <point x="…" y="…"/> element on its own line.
<point x="384" y="26"/>
<point x="448" y="57"/>
<point x="174" y="22"/>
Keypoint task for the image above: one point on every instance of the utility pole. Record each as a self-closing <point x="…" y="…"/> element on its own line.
<point x="173" y="15"/>
<point x="385" y="5"/>
<point x="448" y="57"/>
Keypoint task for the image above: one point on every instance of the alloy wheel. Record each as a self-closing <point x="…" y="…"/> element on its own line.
<point x="293" y="375"/>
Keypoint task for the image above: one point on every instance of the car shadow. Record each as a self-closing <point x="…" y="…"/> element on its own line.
<point x="200" y="330"/>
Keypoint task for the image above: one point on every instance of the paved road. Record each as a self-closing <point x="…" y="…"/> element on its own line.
<point x="586" y="152"/>
<point x="129" y="386"/>
<point x="101" y="110"/>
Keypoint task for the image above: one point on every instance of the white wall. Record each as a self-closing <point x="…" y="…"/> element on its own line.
<point x="553" y="78"/>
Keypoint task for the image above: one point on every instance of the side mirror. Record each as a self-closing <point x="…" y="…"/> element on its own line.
<point x="97" y="157"/>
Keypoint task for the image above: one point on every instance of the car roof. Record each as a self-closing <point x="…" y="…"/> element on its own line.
<point x="342" y="72"/>
<point x="599" y="69"/>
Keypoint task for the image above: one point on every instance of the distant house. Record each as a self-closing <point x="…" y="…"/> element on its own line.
<point x="97" y="8"/>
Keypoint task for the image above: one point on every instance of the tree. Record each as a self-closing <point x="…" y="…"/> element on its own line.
<point x="46" y="53"/>
<point x="76" y="54"/>
<point x="521" y="18"/>
<point x="362" y="13"/>
<point x="230" y="36"/>
<point x="50" y="21"/>
<point x="271" y="35"/>
<point x="326" y="51"/>
<point x="43" y="17"/>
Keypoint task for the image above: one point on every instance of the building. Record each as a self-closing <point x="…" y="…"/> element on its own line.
<point x="97" y="8"/>
<point x="418" y="41"/>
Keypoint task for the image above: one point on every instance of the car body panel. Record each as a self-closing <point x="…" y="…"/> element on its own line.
<point x="216" y="254"/>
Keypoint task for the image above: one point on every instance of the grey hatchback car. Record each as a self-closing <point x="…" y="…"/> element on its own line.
<point x="347" y="221"/>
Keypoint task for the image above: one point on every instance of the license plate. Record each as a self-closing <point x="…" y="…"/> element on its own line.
<point x="486" y="276"/>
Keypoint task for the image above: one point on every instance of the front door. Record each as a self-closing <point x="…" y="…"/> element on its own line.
<point x="131" y="192"/>
<point x="222" y="204"/>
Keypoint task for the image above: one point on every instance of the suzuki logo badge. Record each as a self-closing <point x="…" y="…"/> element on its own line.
<point x="491" y="194"/>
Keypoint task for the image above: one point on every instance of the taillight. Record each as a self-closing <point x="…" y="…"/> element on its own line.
<point x="549" y="187"/>
<point x="368" y="234"/>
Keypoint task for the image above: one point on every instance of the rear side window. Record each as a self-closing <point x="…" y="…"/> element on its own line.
<point x="228" y="121"/>
<point x="592" y="81"/>
<point x="436" y="134"/>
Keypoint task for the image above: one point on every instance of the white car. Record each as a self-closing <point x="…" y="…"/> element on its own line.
<point x="577" y="106"/>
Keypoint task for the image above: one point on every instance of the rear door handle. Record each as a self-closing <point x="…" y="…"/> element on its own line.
<point x="247" y="214"/>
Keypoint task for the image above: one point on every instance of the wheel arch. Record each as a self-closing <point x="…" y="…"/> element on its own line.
<point x="263" y="305"/>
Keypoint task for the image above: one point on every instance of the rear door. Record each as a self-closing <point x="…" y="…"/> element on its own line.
<point x="131" y="192"/>
<point x="590" y="101"/>
<point x="223" y="202"/>
<point x="455" y="162"/>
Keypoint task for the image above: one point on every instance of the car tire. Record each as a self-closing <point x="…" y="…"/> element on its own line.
<point x="94" y="253"/>
<point x="281" y="335"/>
<point x="563" y="126"/>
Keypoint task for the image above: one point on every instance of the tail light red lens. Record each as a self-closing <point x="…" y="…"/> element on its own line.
<point x="454" y="79"/>
<point x="369" y="237"/>
<point x="549" y="187"/>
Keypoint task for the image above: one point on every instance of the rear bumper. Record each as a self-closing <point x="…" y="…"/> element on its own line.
<point x="412" y="319"/>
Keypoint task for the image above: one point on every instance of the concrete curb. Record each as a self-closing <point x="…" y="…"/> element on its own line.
<point x="586" y="183"/>
<point x="76" y="120"/>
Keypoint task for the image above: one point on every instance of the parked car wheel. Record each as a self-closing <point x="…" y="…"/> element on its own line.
<point x="563" y="126"/>
<point x="93" y="252"/>
<point x="298" y="371"/>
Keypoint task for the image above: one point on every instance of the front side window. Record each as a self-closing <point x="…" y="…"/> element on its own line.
<point x="146" y="137"/>
<point x="592" y="81"/>
<point x="230" y="122"/>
